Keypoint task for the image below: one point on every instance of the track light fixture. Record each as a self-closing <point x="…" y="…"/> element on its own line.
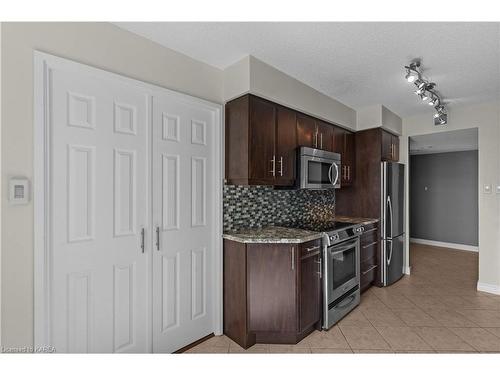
<point x="426" y="91"/>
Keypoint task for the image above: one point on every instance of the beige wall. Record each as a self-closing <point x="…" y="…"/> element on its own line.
<point x="376" y="116"/>
<point x="1" y="203"/>
<point x="254" y="76"/>
<point x="486" y="118"/>
<point x="98" y="44"/>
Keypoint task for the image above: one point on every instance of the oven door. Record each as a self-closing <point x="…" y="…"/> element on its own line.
<point x="342" y="268"/>
<point x="319" y="173"/>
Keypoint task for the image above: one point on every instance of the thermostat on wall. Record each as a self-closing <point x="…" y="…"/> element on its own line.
<point x="19" y="190"/>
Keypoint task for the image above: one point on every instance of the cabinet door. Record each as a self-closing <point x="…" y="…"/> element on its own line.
<point x="325" y="136"/>
<point x="387" y="146"/>
<point x="271" y="286"/>
<point x="286" y="146"/>
<point x="348" y="158"/>
<point x="306" y="131"/>
<point x="310" y="291"/>
<point x="339" y="140"/>
<point x="395" y="148"/>
<point x="262" y="159"/>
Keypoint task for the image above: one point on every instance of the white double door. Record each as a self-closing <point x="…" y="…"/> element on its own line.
<point x="130" y="216"/>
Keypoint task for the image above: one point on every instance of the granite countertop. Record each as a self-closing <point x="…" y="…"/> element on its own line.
<point x="272" y="234"/>
<point x="356" y="220"/>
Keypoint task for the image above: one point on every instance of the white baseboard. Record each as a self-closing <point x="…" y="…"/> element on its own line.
<point x="449" y="245"/>
<point x="407" y="270"/>
<point x="488" y="288"/>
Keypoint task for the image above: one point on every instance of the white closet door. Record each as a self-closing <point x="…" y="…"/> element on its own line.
<point x="183" y="183"/>
<point x="98" y="190"/>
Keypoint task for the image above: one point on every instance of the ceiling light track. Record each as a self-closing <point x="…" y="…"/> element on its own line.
<point x="426" y="91"/>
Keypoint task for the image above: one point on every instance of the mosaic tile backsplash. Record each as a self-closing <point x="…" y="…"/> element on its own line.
<point x="258" y="206"/>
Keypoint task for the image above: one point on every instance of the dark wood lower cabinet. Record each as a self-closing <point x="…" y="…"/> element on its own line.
<point x="369" y="257"/>
<point x="272" y="292"/>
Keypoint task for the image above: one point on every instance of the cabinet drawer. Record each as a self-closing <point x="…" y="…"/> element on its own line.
<point x="368" y="251"/>
<point x="369" y="269"/>
<point x="310" y="248"/>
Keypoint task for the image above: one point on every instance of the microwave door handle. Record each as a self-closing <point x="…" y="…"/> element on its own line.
<point x="336" y="173"/>
<point x="330" y="174"/>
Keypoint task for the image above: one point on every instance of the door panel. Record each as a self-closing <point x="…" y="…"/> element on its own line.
<point x="263" y="163"/>
<point x="306" y="131"/>
<point x="286" y="146"/>
<point x="387" y="152"/>
<point x="183" y="166"/>
<point x="310" y="291"/>
<point x="271" y="283"/>
<point x="325" y="136"/>
<point x="395" y="197"/>
<point x="99" y="189"/>
<point x="394" y="259"/>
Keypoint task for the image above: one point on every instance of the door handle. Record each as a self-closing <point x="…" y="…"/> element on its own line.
<point x="158" y="238"/>
<point x="281" y="166"/>
<point x="309" y="249"/>
<point x="292" y="256"/>
<point x="320" y="269"/>
<point x="390" y="254"/>
<point x="142" y="239"/>
<point x="336" y="174"/>
<point x="273" y="161"/>
<point x="321" y="141"/>
<point x="389" y="204"/>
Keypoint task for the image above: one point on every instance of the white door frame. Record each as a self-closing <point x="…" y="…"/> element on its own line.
<point x="43" y="63"/>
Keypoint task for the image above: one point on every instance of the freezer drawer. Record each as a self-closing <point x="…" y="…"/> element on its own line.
<point x="392" y="256"/>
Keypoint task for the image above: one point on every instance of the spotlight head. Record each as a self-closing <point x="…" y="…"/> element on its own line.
<point x="425" y="96"/>
<point x="442" y="119"/>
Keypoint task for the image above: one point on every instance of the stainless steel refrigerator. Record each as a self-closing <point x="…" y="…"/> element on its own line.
<point x="392" y="222"/>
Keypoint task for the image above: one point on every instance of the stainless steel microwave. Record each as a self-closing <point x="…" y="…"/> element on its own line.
<point x="318" y="169"/>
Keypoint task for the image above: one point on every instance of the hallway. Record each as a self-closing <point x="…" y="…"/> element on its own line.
<point x="435" y="310"/>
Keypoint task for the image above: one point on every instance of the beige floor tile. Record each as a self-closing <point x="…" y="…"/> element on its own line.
<point x="456" y="351"/>
<point x="217" y="341"/>
<point x="364" y="338"/>
<point x="396" y="301"/>
<point x="276" y="348"/>
<point x="331" y="339"/>
<point x="495" y="331"/>
<point x="440" y="338"/>
<point x="481" y="302"/>
<point x="479" y="339"/>
<point x="416" y="318"/>
<point x="429" y="351"/>
<point x="426" y="301"/>
<point x="403" y="338"/>
<point x="257" y="348"/>
<point x="373" y="351"/>
<point x="383" y="317"/>
<point x="449" y="318"/>
<point x="483" y="318"/>
<point x="356" y="319"/>
<point x="330" y="351"/>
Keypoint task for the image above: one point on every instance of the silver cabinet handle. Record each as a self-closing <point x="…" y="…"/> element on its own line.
<point x="142" y="239"/>
<point x="369" y="269"/>
<point x="158" y="238"/>
<point x="349" y="172"/>
<point x="320" y="268"/>
<point x="273" y="171"/>
<point x="309" y="249"/>
<point x="316" y="139"/>
<point x="292" y="256"/>
<point x="321" y="140"/>
<point x="281" y="166"/>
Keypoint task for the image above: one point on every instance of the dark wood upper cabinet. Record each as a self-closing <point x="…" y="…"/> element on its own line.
<point x="261" y="140"/>
<point x="343" y="143"/>
<point x="262" y="161"/>
<point x="306" y="131"/>
<point x="325" y="134"/>
<point x="286" y="146"/>
<point x="390" y="146"/>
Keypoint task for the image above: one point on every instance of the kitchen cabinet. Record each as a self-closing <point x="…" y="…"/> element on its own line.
<point x="272" y="292"/>
<point x="369" y="256"/>
<point x="390" y="146"/>
<point x="314" y="133"/>
<point x="261" y="140"/>
<point x="343" y="143"/>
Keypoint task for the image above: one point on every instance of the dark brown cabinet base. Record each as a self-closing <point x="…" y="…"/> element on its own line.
<point x="272" y="292"/>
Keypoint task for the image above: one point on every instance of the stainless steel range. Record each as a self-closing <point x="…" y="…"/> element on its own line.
<point x="341" y="271"/>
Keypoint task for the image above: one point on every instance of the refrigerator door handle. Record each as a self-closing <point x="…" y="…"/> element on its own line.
<point x="389" y="204"/>
<point x="390" y="253"/>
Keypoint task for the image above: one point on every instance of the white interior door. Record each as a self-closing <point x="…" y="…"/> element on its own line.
<point x="183" y="214"/>
<point x="98" y="284"/>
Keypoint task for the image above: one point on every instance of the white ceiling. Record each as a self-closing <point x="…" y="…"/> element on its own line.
<point x="457" y="140"/>
<point x="358" y="64"/>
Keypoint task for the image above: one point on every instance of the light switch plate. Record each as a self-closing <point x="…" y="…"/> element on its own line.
<point x="19" y="192"/>
<point x="487" y="189"/>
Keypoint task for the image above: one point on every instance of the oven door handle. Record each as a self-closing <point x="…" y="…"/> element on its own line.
<point x="347" y="301"/>
<point x="344" y="248"/>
